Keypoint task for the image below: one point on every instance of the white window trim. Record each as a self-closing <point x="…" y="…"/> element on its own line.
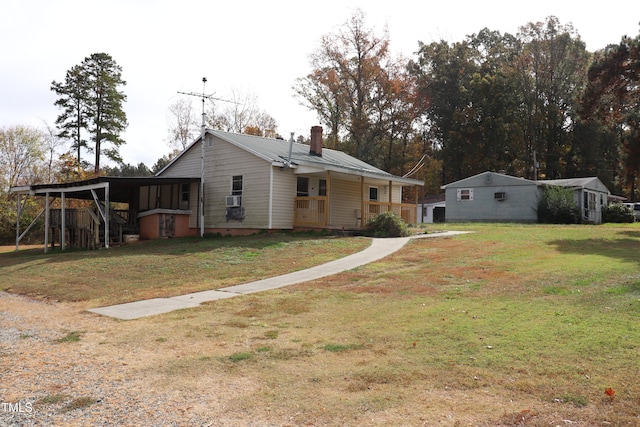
<point x="241" y="193"/>
<point x="459" y="194"/>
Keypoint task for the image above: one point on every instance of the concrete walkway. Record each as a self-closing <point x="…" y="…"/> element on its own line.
<point x="379" y="249"/>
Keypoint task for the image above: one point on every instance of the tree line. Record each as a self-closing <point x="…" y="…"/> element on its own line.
<point x="536" y="104"/>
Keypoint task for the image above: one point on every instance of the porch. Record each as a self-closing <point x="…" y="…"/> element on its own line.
<point x="313" y="212"/>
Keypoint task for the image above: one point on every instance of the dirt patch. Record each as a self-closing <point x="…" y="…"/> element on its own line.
<point x="48" y="381"/>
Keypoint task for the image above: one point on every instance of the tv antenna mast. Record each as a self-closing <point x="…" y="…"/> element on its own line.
<point x="203" y="131"/>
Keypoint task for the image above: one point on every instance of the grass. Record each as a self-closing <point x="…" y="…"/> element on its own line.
<point x="510" y="325"/>
<point x="72" y="336"/>
<point x="337" y="348"/>
<point x="163" y="268"/>
<point x="79" y="403"/>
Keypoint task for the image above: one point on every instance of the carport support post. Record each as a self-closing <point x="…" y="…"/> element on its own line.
<point x="46" y="222"/>
<point x="107" y="217"/>
<point x="19" y="207"/>
<point x="63" y="221"/>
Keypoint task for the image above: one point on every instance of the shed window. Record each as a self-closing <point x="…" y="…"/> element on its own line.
<point x="465" y="194"/>
<point x="500" y="195"/>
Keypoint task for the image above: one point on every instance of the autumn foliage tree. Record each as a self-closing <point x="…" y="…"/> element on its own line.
<point x="364" y="97"/>
<point x="612" y="99"/>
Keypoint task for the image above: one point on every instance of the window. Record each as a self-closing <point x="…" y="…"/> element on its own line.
<point x="209" y="140"/>
<point x="303" y="187"/>
<point x="373" y="194"/>
<point x="465" y="194"/>
<point x="500" y="195"/>
<point x="322" y="188"/>
<point x="236" y="185"/>
<point x="184" y="193"/>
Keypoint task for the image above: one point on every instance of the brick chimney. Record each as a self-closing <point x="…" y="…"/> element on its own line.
<point x="316" y="141"/>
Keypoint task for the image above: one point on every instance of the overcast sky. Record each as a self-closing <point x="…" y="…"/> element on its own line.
<point x="247" y="46"/>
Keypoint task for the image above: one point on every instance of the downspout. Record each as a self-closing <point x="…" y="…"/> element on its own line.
<point x="270" y="225"/>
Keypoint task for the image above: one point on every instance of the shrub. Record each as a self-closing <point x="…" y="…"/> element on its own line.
<point x="557" y="206"/>
<point x="387" y="224"/>
<point x="617" y="213"/>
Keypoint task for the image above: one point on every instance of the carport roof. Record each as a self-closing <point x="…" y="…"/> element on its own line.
<point x="120" y="187"/>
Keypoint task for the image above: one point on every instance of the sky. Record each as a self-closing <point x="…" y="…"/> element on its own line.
<point x="249" y="47"/>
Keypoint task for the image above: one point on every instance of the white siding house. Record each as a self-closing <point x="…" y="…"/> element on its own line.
<point x="491" y="196"/>
<point x="281" y="184"/>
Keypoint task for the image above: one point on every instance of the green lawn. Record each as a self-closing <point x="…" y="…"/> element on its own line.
<point x="509" y="325"/>
<point x="162" y="268"/>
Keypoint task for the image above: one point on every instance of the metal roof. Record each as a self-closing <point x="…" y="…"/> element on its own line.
<point x="119" y="186"/>
<point x="277" y="151"/>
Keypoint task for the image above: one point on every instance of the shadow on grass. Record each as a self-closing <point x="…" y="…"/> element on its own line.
<point x="625" y="249"/>
<point x="160" y="247"/>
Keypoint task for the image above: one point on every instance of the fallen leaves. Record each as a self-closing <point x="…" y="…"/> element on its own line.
<point x="610" y="392"/>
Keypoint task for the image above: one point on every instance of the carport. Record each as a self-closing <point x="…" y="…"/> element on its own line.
<point x="95" y="225"/>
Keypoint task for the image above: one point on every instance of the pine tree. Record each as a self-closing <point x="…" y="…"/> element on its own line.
<point x="92" y="103"/>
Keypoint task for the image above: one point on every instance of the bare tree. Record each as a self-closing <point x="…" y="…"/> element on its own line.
<point x="52" y="142"/>
<point x="183" y="125"/>
<point x="242" y="115"/>
<point x="21" y="155"/>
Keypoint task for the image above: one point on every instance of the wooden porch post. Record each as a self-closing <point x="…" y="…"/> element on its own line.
<point x="328" y="202"/>
<point x="362" y="215"/>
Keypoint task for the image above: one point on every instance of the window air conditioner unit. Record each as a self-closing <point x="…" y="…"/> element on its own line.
<point x="233" y="201"/>
<point x="500" y="196"/>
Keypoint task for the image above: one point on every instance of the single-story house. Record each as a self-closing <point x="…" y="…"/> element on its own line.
<point x="225" y="183"/>
<point x="254" y="183"/>
<point x="492" y="196"/>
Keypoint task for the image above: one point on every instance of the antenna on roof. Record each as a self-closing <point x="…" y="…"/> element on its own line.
<point x="203" y="131"/>
<point x="204" y="97"/>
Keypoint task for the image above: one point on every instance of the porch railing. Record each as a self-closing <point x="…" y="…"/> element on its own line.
<point x="312" y="212"/>
<point x="406" y="211"/>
